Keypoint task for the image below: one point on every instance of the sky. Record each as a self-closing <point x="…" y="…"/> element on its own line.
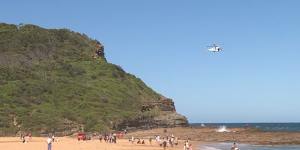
<point x="254" y="79"/>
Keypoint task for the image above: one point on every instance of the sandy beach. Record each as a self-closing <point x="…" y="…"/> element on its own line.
<point x="198" y="136"/>
<point x="68" y="143"/>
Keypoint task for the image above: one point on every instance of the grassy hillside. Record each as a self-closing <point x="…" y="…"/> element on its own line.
<point x="52" y="80"/>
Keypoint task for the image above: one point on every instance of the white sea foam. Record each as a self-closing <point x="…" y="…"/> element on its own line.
<point x="208" y="148"/>
<point x="222" y="129"/>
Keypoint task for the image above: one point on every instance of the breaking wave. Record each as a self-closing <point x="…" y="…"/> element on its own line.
<point x="209" y="148"/>
<point x="222" y="129"/>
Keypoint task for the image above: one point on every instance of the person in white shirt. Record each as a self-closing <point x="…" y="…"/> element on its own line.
<point x="49" y="143"/>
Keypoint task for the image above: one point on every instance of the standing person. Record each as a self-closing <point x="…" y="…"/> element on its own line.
<point x="100" y="138"/>
<point x="171" y="142"/>
<point x="176" y="141"/>
<point x="114" y="138"/>
<point x="23" y="139"/>
<point x="157" y="139"/>
<point x="110" y="138"/>
<point x="164" y="144"/>
<point x="49" y="143"/>
<point x="132" y="139"/>
<point x="186" y="145"/>
<point x="30" y="136"/>
<point x="53" y="138"/>
<point x="105" y="137"/>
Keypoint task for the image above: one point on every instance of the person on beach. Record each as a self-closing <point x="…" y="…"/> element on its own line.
<point x="170" y="142"/>
<point x="53" y="138"/>
<point x="132" y="139"/>
<point x="234" y="147"/>
<point x="26" y="139"/>
<point x="106" y="138"/>
<point x="29" y="136"/>
<point x="100" y="138"/>
<point x="164" y="144"/>
<point x="49" y="143"/>
<point x="176" y="141"/>
<point x="114" y="138"/>
<point x="138" y="141"/>
<point x="186" y="145"/>
<point x="143" y="141"/>
<point x="157" y="138"/>
<point x="23" y="139"/>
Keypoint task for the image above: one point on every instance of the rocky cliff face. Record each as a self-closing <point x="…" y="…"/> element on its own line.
<point x="161" y="113"/>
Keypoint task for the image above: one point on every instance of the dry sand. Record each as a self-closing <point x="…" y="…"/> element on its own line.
<point x="67" y="143"/>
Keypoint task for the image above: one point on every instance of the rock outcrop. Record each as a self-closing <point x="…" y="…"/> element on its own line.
<point x="161" y="113"/>
<point x="171" y="119"/>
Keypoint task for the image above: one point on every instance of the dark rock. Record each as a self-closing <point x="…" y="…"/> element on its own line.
<point x="165" y="117"/>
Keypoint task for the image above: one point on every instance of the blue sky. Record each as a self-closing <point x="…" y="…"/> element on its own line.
<point x="255" y="78"/>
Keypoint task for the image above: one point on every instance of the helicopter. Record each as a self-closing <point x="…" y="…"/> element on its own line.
<point x="214" y="48"/>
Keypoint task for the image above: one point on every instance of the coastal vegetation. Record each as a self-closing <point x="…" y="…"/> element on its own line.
<point x="54" y="80"/>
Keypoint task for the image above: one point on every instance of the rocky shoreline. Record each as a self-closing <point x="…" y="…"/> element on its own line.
<point x="210" y="135"/>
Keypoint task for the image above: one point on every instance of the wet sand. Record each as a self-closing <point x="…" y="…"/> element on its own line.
<point x="240" y="135"/>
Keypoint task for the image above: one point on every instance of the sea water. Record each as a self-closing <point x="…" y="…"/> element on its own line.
<point x="289" y="127"/>
<point x="227" y="146"/>
<point x="272" y="127"/>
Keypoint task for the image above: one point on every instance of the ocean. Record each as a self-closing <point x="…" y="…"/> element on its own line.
<point x="273" y="127"/>
<point x="227" y="146"/>
<point x="289" y="127"/>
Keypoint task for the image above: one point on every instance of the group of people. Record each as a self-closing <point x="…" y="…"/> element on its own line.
<point x="168" y="141"/>
<point x="139" y="141"/>
<point x="108" y="138"/>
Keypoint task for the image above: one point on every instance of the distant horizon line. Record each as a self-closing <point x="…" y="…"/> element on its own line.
<point x="238" y="122"/>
